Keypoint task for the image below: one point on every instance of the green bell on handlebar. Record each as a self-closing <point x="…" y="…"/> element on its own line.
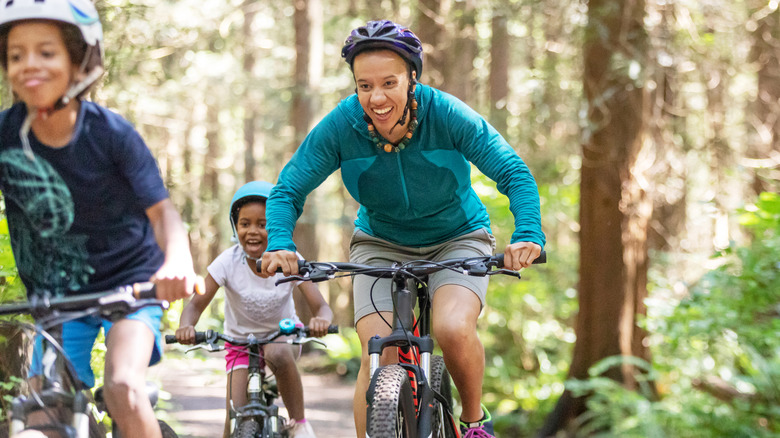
<point x="287" y="326"/>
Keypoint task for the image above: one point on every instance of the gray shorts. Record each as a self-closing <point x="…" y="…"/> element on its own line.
<point x="371" y="295"/>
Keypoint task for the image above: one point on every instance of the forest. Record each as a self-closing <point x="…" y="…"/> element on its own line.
<point x="652" y="128"/>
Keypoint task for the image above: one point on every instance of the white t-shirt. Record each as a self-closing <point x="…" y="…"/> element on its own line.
<point x="252" y="304"/>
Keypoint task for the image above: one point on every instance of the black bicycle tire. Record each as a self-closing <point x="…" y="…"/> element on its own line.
<point x="392" y="407"/>
<point x="167" y="430"/>
<point x="441" y="382"/>
<point x="248" y="428"/>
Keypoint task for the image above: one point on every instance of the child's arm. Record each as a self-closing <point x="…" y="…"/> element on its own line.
<point x="176" y="277"/>
<point x="323" y="315"/>
<point x="185" y="334"/>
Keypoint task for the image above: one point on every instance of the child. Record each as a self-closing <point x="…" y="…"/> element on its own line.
<point x="255" y="305"/>
<point x="86" y="206"/>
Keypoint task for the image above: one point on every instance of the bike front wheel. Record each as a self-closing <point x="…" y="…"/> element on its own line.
<point x="248" y="428"/>
<point x="391" y="412"/>
<point x="443" y="422"/>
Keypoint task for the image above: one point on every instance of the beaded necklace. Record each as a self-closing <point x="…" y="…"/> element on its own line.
<point x="390" y="147"/>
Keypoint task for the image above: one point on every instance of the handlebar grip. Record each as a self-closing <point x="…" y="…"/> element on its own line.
<point x="541" y="259"/>
<point x="200" y="337"/>
<point x="145" y="291"/>
<point x="331" y="329"/>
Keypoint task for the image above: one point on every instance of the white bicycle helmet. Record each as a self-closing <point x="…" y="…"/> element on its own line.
<point x="79" y="13"/>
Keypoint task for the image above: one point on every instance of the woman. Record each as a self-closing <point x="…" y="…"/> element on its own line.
<point x="404" y="151"/>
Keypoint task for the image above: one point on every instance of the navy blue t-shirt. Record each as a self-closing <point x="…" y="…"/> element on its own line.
<point x="76" y="214"/>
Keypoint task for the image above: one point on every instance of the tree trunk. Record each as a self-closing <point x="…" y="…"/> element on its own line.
<point x="459" y="78"/>
<point x="211" y="179"/>
<point x="499" y="72"/>
<point x="765" y="118"/>
<point x="308" y="72"/>
<point x="250" y="104"/>
<point x="432" y="33"/>
<point x="614" y="204"/>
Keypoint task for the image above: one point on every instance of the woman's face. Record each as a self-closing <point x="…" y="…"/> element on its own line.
<point x="39" y="67"/>
<point x="250" y="228"/>
<point x="382" y="81"/>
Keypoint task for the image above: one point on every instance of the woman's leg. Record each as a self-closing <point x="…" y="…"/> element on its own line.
<point x="129" y="348"/>
<point x="455" y="313"/>
<point x="236" y="391"/>
<point x="367" y="327"/>
<point x="281" y="360"/>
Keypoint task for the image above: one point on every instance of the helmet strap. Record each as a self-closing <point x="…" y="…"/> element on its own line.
<point x="409" y="99"/>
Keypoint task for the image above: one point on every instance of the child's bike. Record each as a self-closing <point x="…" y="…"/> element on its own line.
<point x="259" y="418"/>
<point x="412" y="398"/>
<point x="61" y="402"/>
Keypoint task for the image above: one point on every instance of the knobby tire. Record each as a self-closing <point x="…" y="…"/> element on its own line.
<point x="248" y="428"/>
<point x="392" y="408"/>
<point x="442" y="425"/>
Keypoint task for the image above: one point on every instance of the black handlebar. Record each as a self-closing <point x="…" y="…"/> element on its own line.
<point x="130" y="297"/>
<point x="475" y="266"/>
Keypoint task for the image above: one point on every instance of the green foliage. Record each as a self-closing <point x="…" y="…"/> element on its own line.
<point x="527" y="326"/>
<point x="716" y="352"/>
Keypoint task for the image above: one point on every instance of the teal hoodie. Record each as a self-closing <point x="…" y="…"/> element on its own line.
<point x="419" y="196"/>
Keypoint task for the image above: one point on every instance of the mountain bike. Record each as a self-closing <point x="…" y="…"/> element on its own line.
<point x="412" y="398"/>
<point x="71" y="410"/>
<point x="259" y="418"/>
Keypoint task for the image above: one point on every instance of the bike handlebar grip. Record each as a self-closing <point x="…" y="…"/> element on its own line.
<point x="170" y="339"/>
<point x="200" y="337"/>
<point x="145" y="291"/>
<point x="333" y="328"/>
<point x="541" y="259"/>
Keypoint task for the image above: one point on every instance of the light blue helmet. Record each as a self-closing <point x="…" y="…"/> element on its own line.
<point x="250" y="191"/>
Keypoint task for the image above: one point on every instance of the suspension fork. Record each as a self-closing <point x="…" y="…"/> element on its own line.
<point x="403" y="322"/>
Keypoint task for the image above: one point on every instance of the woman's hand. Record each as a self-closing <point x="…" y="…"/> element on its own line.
<point x="287" y="261"/>
<point x="520" y="255"/>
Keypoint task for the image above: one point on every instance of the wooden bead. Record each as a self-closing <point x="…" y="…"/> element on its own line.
<point x="388" y="148"/>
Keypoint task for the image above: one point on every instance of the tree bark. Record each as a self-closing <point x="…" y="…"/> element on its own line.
<point x="499" y="72"/>
<point x="431" y="30"/>
<point x="765" y="116"/>
<point x="307" y="20"/>
<point x="614" y="203"/>
<point x="250" y="104"/>
<point x="459" y="78"/>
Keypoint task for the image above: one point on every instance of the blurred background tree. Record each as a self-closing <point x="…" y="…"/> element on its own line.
<point x="651" y="127"/>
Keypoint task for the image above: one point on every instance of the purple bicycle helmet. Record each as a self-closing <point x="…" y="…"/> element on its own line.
<point x="385" y="34"/>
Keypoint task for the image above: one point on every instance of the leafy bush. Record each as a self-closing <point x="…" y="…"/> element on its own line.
<point x="716" y="353"/>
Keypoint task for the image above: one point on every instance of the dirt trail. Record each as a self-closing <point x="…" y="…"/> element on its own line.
<point x="196" y="408"/>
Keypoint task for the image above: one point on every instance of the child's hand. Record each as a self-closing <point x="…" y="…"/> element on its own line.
<point x="318" y="326"/>
<point x="521" y="255"/>
<point x="185" y="334"/>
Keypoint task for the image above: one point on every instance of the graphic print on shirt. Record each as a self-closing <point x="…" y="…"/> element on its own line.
<point x="46" y="256"/>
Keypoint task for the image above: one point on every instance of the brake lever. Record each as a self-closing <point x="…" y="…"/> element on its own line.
<point x="208" y="347"/>
<point x="508" y="272"/>
<point x="307" y="340"/>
